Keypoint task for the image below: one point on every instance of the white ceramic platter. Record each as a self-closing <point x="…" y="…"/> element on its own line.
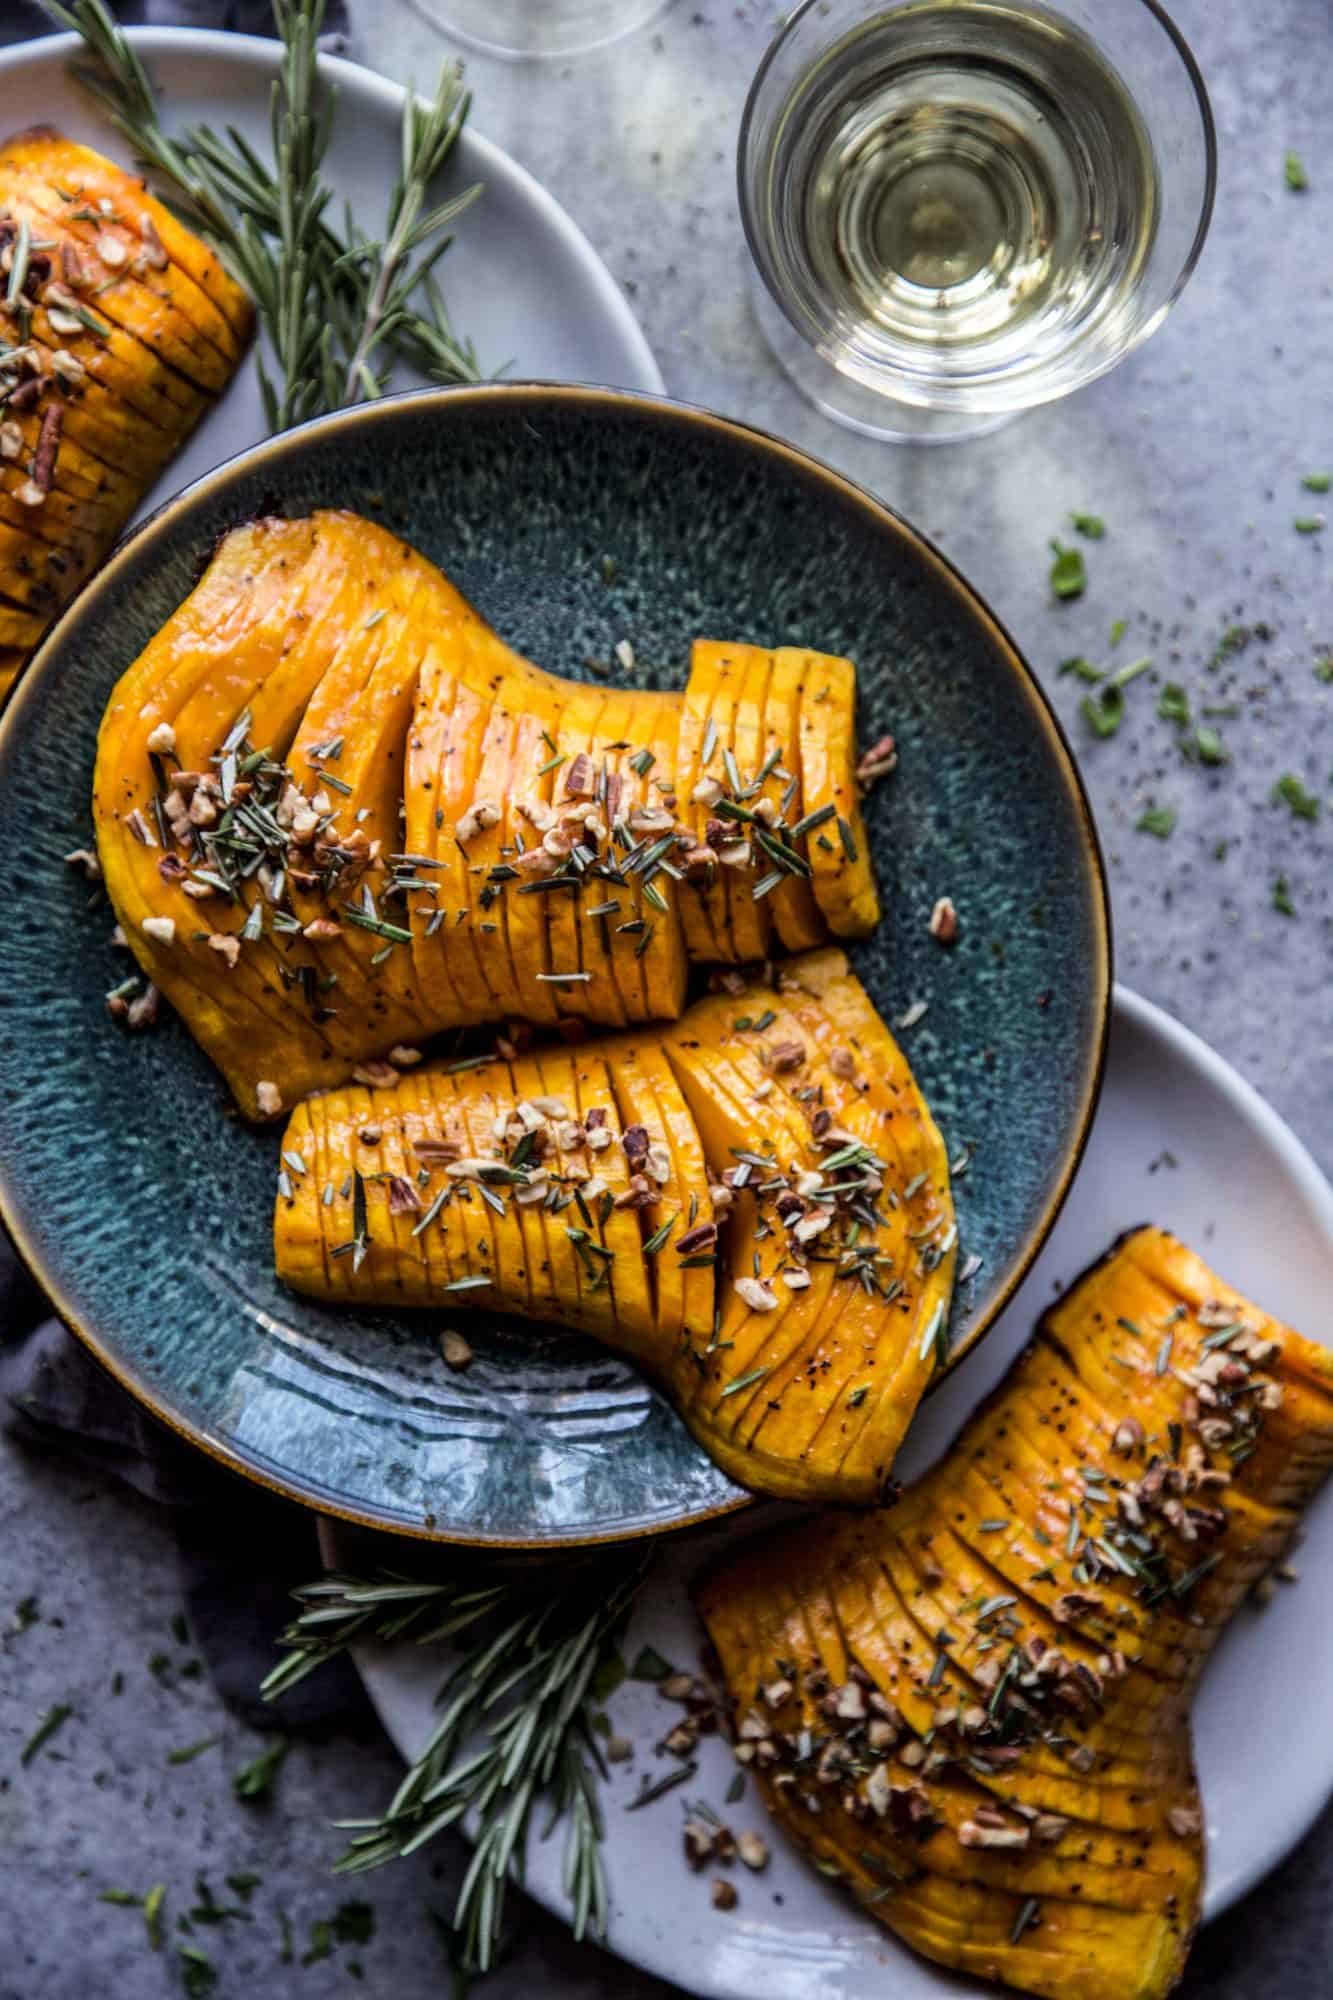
<point x="1180" y="1140"/>
<point x="522" y="281"/>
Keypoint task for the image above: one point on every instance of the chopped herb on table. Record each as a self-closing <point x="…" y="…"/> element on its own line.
<point x="1118" y="630"/>
<point x="1173" y="704"/>
<point x="189" y="1751"/>
<point x="1310" y="524"/>
<point x="54" y="1719"/>
<point x="255" y="1779"/>
<point x="1091" y="526"/>
<point x="1317" y="482"/>
<point x="1293" y="172"/>
<point x="1206" y="746"/>
<point x="1289" y="791"/>
<point x="1157" y="820"/>
<point x="1083" y="669"/>
<point x="199" y="1975"/>
<point x="354" y="1923"/>
<point x="1282" y="902"/>
<point x="1323" y="667"/>
<point x="1103" y="712"/>
<point x="1069" y="578"/>
<point x="152" y="1914"/>
<point x="1234" y="640"/>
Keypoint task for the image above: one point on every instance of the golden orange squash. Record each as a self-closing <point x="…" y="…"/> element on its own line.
<point x="121" y="328"/>
<point x="754" y="1206"/>
<point x="336" y="811"/>
<point x="973" y="1708"/>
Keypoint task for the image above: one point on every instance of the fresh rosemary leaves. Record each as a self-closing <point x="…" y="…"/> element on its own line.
<point x="338" y="310"/>
<point x="514" y="1726"/>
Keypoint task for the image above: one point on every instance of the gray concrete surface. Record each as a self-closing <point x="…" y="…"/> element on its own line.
<point x="1193" y="452"/>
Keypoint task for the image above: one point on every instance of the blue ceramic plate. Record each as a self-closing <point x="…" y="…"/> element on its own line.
<point x="573" y="518"/>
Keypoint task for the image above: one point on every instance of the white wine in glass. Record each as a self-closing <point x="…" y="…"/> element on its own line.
<point x="959" y="208"/>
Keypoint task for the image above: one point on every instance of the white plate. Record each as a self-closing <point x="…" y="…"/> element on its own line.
<point x="1180" y="1140"/>
<point x="522" y="281"/>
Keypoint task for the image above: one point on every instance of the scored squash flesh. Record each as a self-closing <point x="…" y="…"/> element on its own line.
<point x="755" y="1207"/>
<point x="120" y="328"/>
<point x="329" y="827"/>
<point x="119" y="333"/>
<point x="973" y="1709"/>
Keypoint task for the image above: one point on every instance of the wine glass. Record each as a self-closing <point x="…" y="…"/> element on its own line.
<point x="958" y="209"/>
<point x="519" y="29"/>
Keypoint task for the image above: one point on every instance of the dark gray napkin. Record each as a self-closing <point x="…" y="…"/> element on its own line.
<point x="240" y="1550"/>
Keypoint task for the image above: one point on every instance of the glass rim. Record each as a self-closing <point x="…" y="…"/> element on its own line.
<point x="1189" y="63"/>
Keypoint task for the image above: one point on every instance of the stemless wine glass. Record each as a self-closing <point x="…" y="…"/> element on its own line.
<point x="535" y="28"/>
<point x="958" y="209"/>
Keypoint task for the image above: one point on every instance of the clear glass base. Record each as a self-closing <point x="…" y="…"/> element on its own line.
<point x="538" y="30"/>
<point x="847" y="402"/>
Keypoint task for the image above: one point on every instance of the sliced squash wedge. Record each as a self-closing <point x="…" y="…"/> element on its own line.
<point x="842" y="876"/>
<point x="115" y="352"/>
<point x="493" y="844"/>
<point x="989" y="1684"/>
<point x="651" y="1190"/>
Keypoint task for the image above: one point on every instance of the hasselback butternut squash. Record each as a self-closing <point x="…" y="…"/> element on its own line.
<point x="974" y="1708"/>
<point x="754" y="1207"/>
<point x="119" y="329"/>
<point x="430" y="832"/>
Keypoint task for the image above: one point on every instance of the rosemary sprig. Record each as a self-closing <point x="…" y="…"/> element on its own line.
<point x="337" y="309"/>
<point x="514" y="1725"/>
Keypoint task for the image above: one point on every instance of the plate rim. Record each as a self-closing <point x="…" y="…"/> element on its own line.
<point x="262" y="52"/>
<point x="26" y="694"/>
<point x="1147" y="1017"/>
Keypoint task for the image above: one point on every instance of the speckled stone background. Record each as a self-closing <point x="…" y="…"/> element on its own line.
<point x="1193" y="452"/>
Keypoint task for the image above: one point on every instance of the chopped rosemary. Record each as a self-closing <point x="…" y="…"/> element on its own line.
<point x="54" y="1719"/>
<point x="1068" y="576"/>
<point x="744" y="1381"/>
<point x="1157" y="820"/>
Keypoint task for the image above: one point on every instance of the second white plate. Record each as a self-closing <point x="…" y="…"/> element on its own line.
<point x="1180" y="1140"/>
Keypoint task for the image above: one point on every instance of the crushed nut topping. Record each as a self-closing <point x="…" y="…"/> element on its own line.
<point x="944" y="921"/>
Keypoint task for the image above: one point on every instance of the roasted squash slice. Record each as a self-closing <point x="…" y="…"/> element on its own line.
<point x="48" y="159"/>
<point x="728" y="683"/>
<point x="253" y="644"/>
<point x="114" y="261"/>
<point x="796" y="915"/>
<point x="97" y="255"/>
<point x="494" y="844"/>
<point x="839" y="853"/>
<point x="973" y="1709"/>
<point x="821" y="1363"/>
<point x="441" y="778"/>
<point x="113" y="350"/>
<point x="730" y="1205"/>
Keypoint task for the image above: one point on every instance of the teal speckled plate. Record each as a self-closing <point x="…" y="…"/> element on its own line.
<point x="573" y="518"/>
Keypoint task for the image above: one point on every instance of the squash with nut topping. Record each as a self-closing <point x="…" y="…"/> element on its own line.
<point x="338" y="812"/>
<point x="973" y="1709"/>
<point x="120" y="330"/>
<point x="754" y="1207"/>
